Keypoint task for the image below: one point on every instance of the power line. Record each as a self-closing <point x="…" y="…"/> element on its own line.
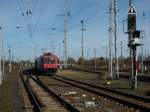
<point x="81" y="8"/>
<point x="26" y="20"/>
<point x="40" y="14"/>
<point x="87" y="19"/>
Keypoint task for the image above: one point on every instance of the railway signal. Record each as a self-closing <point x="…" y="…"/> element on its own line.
<point x="133" y="42"/>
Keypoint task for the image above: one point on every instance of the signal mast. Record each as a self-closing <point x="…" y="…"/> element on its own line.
<point x="133" y="42"/>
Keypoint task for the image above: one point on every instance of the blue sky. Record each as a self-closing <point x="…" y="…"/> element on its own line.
<point x="44" y="17"/>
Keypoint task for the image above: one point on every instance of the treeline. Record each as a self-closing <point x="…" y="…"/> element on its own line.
<point x="99" y="62"/>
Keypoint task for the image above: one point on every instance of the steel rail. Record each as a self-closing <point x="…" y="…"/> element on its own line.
<point x="34" y="102"/>
<point x="130" y="104"/>
<point x="144" y="99"/>
<point x="67" y="105"/>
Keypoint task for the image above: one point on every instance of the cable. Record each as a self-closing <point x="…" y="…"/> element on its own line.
<point x="27" y="22"/>
<point x="41" y="12"/>
<point x="77" y="12"/>
<point x="81" y="8"/>
<point x="89" y="18"/>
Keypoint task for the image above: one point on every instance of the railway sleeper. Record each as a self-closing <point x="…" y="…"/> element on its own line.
<point x="27" y="106"/>
<point x="113" y="97"/>
<point x="53" y="108"/>
<point x="48" y="104"/>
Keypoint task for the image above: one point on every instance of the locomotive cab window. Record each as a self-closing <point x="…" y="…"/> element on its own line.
<point x="49" y="61"/>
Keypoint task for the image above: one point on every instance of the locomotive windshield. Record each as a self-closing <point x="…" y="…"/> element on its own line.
<point x="49" y="61"/>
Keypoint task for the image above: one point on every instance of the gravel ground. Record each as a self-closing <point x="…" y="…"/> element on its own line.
<point x="81" y="98"/>
<point x="99" y="79"/>
<point x="9" y="93"/>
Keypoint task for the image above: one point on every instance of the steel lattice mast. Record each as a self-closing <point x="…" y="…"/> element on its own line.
<point x="110" y="41"/>
<point x="113" y="35"/>
<point x="116" y="69"/>
<point x="65" y="16"/>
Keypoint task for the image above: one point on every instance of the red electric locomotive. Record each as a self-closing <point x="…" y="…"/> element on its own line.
<point x="47" y="63"/>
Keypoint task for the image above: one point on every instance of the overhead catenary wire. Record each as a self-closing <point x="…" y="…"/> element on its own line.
<point x="87" y="19"/>
<point x="21" y="8"/>
<point x="72" y="14"/>
<point x="40" y="14"/>
<point x="85" y="3"/>
<point x="27" y="20"/>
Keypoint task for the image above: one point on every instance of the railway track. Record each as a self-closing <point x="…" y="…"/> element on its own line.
<point x="126" y="101"/>
<point x="130" y="100"/>
<point x="82" y="99"/>
<point x="43" y="99"/>
<point x="125" y="75"/>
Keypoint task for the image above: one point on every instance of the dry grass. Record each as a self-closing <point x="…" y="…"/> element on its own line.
<point x="79" y="75"/>
<point x="9" y="93"/>
<point x="6" y="95"/>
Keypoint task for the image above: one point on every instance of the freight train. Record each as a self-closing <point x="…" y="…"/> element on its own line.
<point x="47" y="63"/>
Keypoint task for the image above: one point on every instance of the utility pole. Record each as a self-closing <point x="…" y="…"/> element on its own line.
<point x="82" y="46"/>
<point x="115" y="35"/>
<point x="87" y="57"/>
<point x="1" y="78"/>
<point x="65" y="41"/>
<point x="59" y="51"/>
<point x="9" y="60"/>
<point x="142" y="46"/>
<point x="52" y="47"/>
<point x="133" y="37"/>
<point x="3" y="59"/>
<point x="110" y="76"/>
<point x="52" y="42"/>
<point x="95" y="65"/>
<point x="115" y="27"/>
<point x="65" y="16"/>
<point x="35" y="51"/>
<point x="29" y="64"/>
<point x="121" y="55"/>
<point x="18" y="63"/>
<point x="106" y="52"/>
